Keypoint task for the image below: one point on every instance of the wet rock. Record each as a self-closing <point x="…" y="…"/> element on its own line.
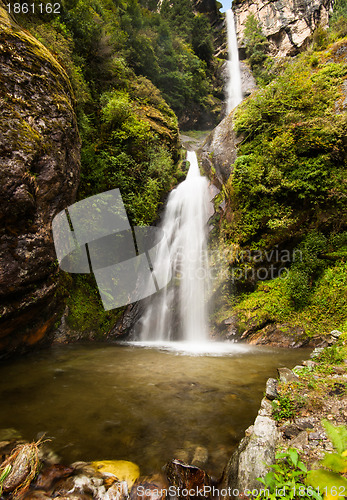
<point x="39" y="176"/>
<point x="219" y="151"/>
<point x="63" y="486"/>
<point x="264" y="332"/>
<point x="182" y="455"/>
<point x="149" y="488"/>
<point x="122" y="469"/>
<point x="200" y="456"/>
<point x="271" y="389"/>
<point x="287" y="376"/>
<point x="187" y="477"/>
<point x="50" y="475"/>
<point x="73" y="496"/>
<point x="248" y="83"/>
<point x="36" y="495"/>
<point x="253" y="457"/>
<point x="24" y="464"/>
<point x="265" y="408"/>
<point x="98" y="487"/>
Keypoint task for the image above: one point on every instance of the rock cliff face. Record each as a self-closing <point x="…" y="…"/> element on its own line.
<point x="287" y="24"/>
<point x="219" y="151"/>
<point x="39" y="175"/>
<point x="208" y="7"/>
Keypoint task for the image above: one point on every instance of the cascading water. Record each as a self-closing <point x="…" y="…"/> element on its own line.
<point x="234" y="92"/>
<point x="179" y="312"/>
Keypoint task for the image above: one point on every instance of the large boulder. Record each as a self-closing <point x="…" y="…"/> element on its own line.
<point x="287" y="25"/>
<point x="253" y="457"/>
<point x="39" y="176"/>
<point x="219" y="151"/>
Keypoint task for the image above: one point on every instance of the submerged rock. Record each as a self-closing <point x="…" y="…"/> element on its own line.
<point x="149" y="488"/>
<point x="189" y="479"/>
<point x="200" y="456"/>
<point x="51" y="474"/>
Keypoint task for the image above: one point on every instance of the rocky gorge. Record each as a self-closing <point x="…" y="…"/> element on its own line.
<point x="300" y="157"/>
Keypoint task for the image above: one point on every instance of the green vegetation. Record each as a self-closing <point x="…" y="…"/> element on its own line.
<point x="290" y="479"/>
<point x="286" y="407"/>
<point x="323" y="311"/>
<point x="320" y="385"/>
<point x="291" y="161"/>
<point x="314" y="386"/>
<point x="330" y="480"/>
<point x="134" y="72"/>
<point x="288" y="191"/>
<point x="87" y="317"/>
<point x="257" y="47"/>
<point x="287" y="478"/>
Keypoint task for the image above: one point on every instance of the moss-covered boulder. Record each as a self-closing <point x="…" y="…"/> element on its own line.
<point x="39" y="176"/>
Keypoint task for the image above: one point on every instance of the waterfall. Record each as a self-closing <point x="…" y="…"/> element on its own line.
<point x="178" y="312"/>
<point x="234" y="92"/>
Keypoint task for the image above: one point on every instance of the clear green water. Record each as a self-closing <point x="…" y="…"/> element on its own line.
<point x="132" y="403"/>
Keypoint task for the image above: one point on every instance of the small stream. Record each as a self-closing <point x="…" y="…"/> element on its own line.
<point x="146" y="405"/>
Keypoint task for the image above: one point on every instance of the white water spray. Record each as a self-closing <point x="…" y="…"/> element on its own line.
<point x="234" y="92"/>
<point x="179" y="312"/>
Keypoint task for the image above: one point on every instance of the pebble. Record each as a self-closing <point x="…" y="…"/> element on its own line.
<point x="336" y="334"/>
<point x="313" y="436"/>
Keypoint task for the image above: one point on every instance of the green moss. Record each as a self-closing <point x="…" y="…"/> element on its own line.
<point x="291" y="160"/>
<point x="323" y="312"/>
<point x="86" y="312"/>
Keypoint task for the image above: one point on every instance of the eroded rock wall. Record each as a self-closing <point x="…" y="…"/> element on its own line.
<point x="39" y="176"/>
<point x="287" y="24"/>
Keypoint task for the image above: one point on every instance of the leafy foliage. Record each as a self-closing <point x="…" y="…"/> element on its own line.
<point x="338" y="21"/>
<point x="286" y="478"/>
<point x="305" y="270"/>
<point x="330" y="480"/>
<point x="257" y="47"/>
<point x="286" y="406"/>
<point x="291" y="162"/>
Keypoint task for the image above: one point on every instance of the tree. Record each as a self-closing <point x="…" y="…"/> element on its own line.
<point x="256" y="47"/>
<point x="201" y="38"/>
